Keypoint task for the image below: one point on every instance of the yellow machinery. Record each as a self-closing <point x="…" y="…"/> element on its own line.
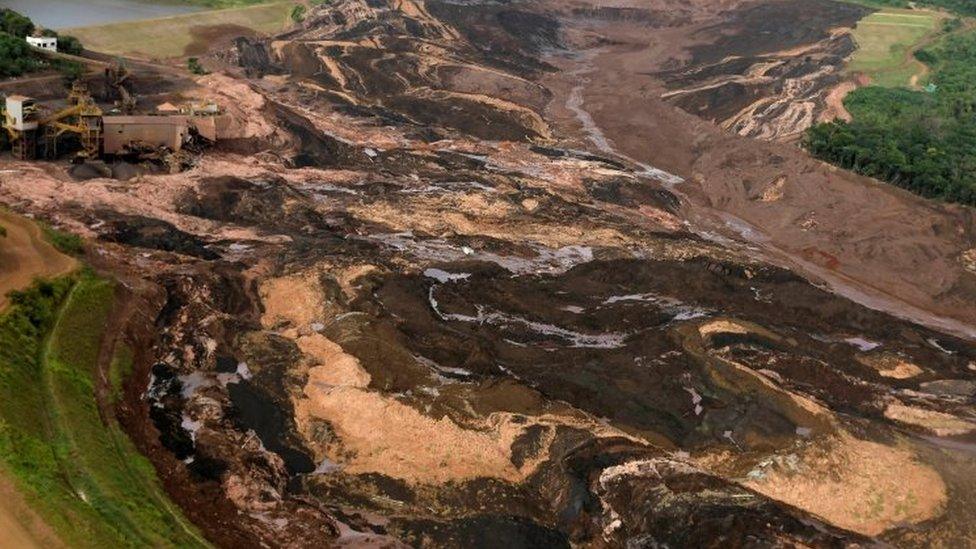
<point x="116" y="78"/>
<point x="34" y="132"/>
<point x="82" y="118"/>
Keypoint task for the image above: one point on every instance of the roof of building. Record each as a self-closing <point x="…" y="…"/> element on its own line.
<point x="167" y="107"/>
<point x="145" y="120"/>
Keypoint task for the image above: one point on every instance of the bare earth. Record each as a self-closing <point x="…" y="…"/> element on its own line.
<point x="25" y="255"/>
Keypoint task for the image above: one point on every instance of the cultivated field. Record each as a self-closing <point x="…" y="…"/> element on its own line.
<point x="886" y="43"/>
<point x="183" y="35"/>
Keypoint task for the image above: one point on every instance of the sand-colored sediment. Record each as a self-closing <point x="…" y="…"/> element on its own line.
<point x="295" y="299"/>
<point x="475" y="215"/>
<point x="968" y="260"/>
<point x="335" y="367"/>
<point x="938" y="423"/>
<point x="858" y="485"/>
<point x="376" y="433"/>
<point x="890" y="366"/>
<point x="244" y="115"/>
<point x="379" y="434"/>
<point x="740" y="378"/>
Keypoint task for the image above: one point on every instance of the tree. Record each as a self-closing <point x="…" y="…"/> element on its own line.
<point x="70" y="45"/>
<point x="16" y="57"/>
<point x="15" y="24"/>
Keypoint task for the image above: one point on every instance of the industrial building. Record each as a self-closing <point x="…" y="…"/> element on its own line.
<point x="122" y="134"/>
<point x="32" y="132"/>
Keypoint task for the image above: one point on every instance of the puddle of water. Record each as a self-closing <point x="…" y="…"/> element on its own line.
<point x="669" y="305"/>
<point x="611" y="340"/>
<point x="863" y="345"/>
<point x="695" y="400"/>
<point x="444" y="276"/>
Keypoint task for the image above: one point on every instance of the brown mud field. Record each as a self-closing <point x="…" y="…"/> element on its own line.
<point x="465" y="275"/>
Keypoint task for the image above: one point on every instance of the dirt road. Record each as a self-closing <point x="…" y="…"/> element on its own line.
<point x="25" y="255"/>
<point x="20" y="527"/>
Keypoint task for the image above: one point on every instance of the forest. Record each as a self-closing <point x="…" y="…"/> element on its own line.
<point x="923" y="141"/>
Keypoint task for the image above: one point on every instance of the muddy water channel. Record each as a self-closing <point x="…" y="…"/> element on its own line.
<point x="61" y="14"/>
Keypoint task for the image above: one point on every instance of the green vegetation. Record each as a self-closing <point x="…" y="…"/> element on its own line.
<point x="964" y="7"/>
<point x="73" y="463"/>
<point x="193" y="65"/>
<point x="178" y="36"/>
<point x="70" y="45"/>
<point x="298" y="13"/>
<point x="119" y="371"/>
<point x="15" y="24"/>
<point x="18" y="58"/>
<point x="924" y="141"/>
<point x="885" y="42"/>
<point x="65" y="242"/>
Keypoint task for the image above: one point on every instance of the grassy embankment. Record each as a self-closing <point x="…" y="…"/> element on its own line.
<point x="886" y="41"/>
<point x="921" y="137"/>
<point x="174" y="36"/>
<point x="76" y="469"/>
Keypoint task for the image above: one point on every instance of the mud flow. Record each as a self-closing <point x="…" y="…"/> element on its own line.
<point x="484" y="274"/>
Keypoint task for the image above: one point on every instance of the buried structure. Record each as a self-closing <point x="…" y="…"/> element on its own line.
<point x="35" y="132"/>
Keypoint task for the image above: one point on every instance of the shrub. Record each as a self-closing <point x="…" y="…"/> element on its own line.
<point x="298" y="13"/>
<point x="15" y="24"/>
<point x="194" y="66"/>
<point x="65" y="242"/>
<point x="70" y="45"/>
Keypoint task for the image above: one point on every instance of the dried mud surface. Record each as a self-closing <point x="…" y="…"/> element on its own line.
<point x="458" y="276"/>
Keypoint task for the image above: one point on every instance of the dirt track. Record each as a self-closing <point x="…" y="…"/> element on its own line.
<point x="20" y="527"/>
<point x="25" y="255"/>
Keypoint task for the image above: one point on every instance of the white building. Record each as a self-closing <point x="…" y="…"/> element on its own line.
<point x="44" y="42"/>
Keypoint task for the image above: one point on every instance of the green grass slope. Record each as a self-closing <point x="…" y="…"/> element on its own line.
<point x="77" y="470"/>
